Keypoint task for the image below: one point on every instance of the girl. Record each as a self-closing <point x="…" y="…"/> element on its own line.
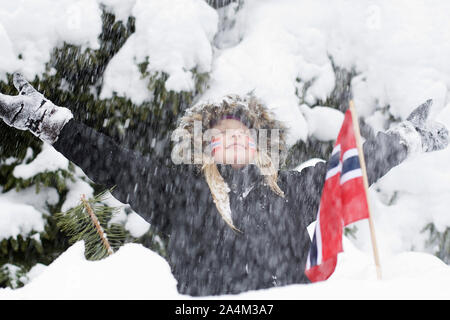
<point x="233" y="220"/>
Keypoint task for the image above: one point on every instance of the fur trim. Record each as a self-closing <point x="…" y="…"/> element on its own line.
<point x="248" y="109"/>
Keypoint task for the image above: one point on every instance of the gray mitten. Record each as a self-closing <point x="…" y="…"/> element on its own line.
<point x="420" y="135"/>
<point x="31" y="110"/>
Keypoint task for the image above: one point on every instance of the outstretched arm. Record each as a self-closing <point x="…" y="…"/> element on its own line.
<point x="30" y="110"/>
<point x="145" y="183"/>
<point x="381" y="154"/>
<point x="142" y="182"/>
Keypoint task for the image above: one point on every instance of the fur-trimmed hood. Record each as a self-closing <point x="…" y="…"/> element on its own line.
<point x="250" y="110"/>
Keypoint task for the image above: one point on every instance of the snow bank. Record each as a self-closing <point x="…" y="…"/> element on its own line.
<point x="135" y="272"/>
<point x="408" y="275"/>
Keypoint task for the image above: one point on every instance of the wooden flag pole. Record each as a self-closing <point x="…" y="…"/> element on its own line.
<point x="366" y="187"/>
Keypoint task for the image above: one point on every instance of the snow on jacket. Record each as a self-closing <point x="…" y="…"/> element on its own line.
<point x="206" y="256"/>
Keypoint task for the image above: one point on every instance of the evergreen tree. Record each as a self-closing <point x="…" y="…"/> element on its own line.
<point x="137" y="127"/>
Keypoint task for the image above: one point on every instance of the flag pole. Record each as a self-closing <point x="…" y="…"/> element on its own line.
<point x="366" y="187"/>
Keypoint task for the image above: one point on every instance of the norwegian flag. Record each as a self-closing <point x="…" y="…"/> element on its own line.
<point x="343" y="202"/>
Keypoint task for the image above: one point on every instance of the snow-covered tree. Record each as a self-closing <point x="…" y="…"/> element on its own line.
<point x="35" y="189"/>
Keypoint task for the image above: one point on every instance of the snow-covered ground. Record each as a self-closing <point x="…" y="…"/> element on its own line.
<point x="135" y="272"/>
<point x="399" y="50"/>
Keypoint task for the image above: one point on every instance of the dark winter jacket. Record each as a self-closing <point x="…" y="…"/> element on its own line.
<point x="206" y="256"/>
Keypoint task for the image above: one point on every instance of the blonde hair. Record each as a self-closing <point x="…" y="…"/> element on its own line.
<point x="219" y="188"/>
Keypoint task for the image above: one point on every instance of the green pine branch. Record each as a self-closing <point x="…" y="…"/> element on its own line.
<point x="89" y="221"/>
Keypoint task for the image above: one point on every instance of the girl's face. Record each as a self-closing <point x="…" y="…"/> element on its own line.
<point x="232" y="143"/>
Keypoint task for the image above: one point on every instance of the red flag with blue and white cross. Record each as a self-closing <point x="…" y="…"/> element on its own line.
<point x="343" y="201"/>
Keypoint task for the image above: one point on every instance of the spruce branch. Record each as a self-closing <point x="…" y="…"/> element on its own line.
<point x="89" y="221"/>
<point x="98" y="227"/>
